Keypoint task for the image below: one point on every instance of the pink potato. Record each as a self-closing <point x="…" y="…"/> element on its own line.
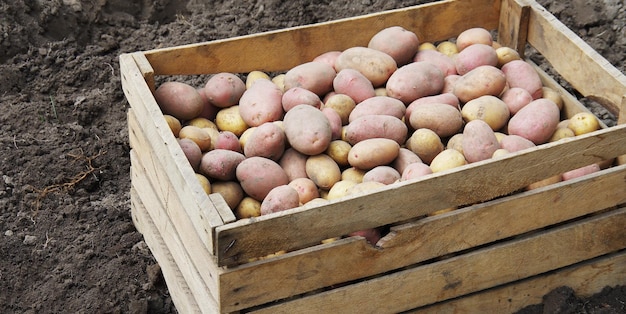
<point x="415" y="80"/>
<point x="479" y="141"/>
<point x="180" y="100"/>
<point x="192" y="152"/>
<point x="444" y="98"/>
<point x="306" y="188"/>
<point x="375" y="65"/>
<point x="516" y="98"/>
<point x="415" y="170"/>
<point x="372" y="235"/>
<point x="579" y="172"/>
<point x="396" y="41"/>
<point x="383" y="174"/>
<point x="293" y="163"/>
<point x="280" y="198"/>
<point x="328" y="57"/>
<point x="335" y="122"/>
<point x="267" y="140"/>
<point x="220" y="164"/>
<point x="376" y="126"/>
<point x="378" y="105"/>
<point x="474" y="56"/>
<point x="520" y="73"/>
<point x="448" y="83"/>
<point x="475" y="35"/>
<point x="444" y="62"/>
<point x="297" y="96"/>
<point x="228" y="140"/>
<point x="481" y="81"/>
<point x="354" y="84"/>
<point x="307" y="129"/>
<point x="224" y="89"/>
<point x="209" y="110"/>
<point x="536" y="121"/>
<point x="404" y="159"/>
<point x="373" y="152"/>
<point x="259" y="175"/>
<point x="314" y="76"/>
<point x="261" y="103"/>
<point x="514" y="143"/>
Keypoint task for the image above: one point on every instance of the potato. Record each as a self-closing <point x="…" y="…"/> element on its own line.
<point x="444" y="98"/>
<point x="474" y="56"/>
<point x="471" y="36"/>
<point x="449" y="82"/>
<point x="365" y="188"/>
<point x="204" y="183"/>
<point x="537" y="121"/>
<point x="520" y="73"/>
<point x="294" y="164"/>
<point x="516" y="98"/>
<point x="483" y="80"/>
<point x="328" y="57"/>
<point x="415" y="170"/>
<point x="553" y="95"/>
<point x="202" y="123"/>
<point x="396" y="41"/>
<point x="427" y="46"/>
<point x="228" y="140"/>
<point x="376" y="126"/>
<point x="192" y="152"/>
<point x="342" y="104"/>
<point x="371" y="235"/>
<point x="579" y="172"/>
<point x="261" y="103"/>
<point x="425" y="143"/>
<point x="448" y="48"/>
<point x="229" y="119"/>
<point x="224" y="89"/>
<point x="378" y="105"/>
<point x="479" y="141"/>
<point x="338" y="150"/>
<point x="268" y="140"/>
<point x="314" y="76"/>
<point x="298" y="95"/>
<point x="220" y="164"/>
<point x="353" y="174"/>
<point x="307" y="129"/>
<point x="373" y="152"/>
<point x="340" y="189"/>
<point x="248" y="208"/>
<point x="323" y="170"/>
<point x="376" y="65"/>
<point x="198" y="135"/>
<point x="258" y="175"/>
<point x="354" y="84"/>
<point x="506" y="55"/>
<point x="279" y="80"/>
<point x="209" y="110"/>
<point x="455" y="141"/>
<point x="447" y="159"/>
<point x="490" y="109"/>
<point x="174" y="124"/>
<point x="443" y="119"/>
<point x="583" y="122"/>
<point x="335" y="122"/>
<point x="442" y="61"/>
<point x="415" y="80"/>
<point x="382" y="174"/>
<point x="500" y="152"/>
<point x="513" y="143"/>
<point x="561" y="133"/>
<point x="253" y="76"/>
<point x="280" y="198"/>
<point x="545" y="182"/>
<point x="306" y="188"/>
<point x="179" y="99"/>
<point x="231" y="191"/>
<point x="404" y="159"/>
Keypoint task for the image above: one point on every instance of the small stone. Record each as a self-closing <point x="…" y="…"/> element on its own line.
<point x="8" y="233"/>
<point x="29" y="239"/>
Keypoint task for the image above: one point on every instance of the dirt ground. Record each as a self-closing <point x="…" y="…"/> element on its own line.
<point x="67" y="242"/>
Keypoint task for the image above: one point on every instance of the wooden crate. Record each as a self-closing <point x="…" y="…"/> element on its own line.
<point x="501" y="250"/>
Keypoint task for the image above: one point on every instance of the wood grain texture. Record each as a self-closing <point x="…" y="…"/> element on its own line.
<point x="513" y="25"/>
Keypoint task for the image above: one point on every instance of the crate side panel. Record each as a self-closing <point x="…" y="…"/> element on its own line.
<point x="586" y="278"/>
<point x="475" y="271"/>
<point x="241" y="240"/>
<point x="349" y="259"/>
<point x="284" y="49"/>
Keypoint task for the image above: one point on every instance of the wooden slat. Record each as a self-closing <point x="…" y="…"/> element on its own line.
<point x="584" y="68"/>
<point x="280" y="50"/>
<point x="167" y="208"/>
<point x="349" y="259"/>
<point x="471" y="272"/>
<point x="161" y="144"/>
<point x="586" y="279"/>
<point x="186" y="291"/>
<point x="301" y="227"/>
<point x="513" y="25"/>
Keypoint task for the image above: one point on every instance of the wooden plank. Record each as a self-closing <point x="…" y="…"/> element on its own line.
<point x="513" y="25"/>
<point x="167" y="208"/>
<point x="303" y="226"/>
<point x="584" y="68"/>
<point x="586" y="278"/>
<point x="145" y="68"/>
<point x="182" y="294"/>
<point x="283" y="49"/>
<point x="475" y="271"/>
<point x="350" y="259"/>
<point x="161" y="144"/>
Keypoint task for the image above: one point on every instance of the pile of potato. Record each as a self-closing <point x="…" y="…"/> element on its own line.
<point x="352" y="121"/>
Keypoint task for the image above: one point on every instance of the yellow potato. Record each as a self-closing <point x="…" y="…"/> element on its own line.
<point x="426" y="46"/>
<point x="448" y="48"/>
<point x="255" y="75"/>
<point x="553" y="95"/>
<point x="198" y="135"/>
<point x="248" y="208"/>
<point x="583" y="122"/>
<point x="202" y="123"/>
<point x="353" y="174"/>
<point x="231" y="191"/>
<point x="426" y="144"/>
<point x="500" y="152"/>
<point x="338" y="150"/>
<point x="323" y="170"/>
<point x="447" y="159"/>
<point x="561" y="133"/>
<point x="229" y="119"/>
<point x="506" y="55"/>
<point x="342" y="104"/>
<point x="173" y="123"/>
<point x="279" y="80"/>
<point x="204" y="183"/>
<point x="489" y="109"/>
<point x="340" y="189"/>
<point x="455" y="142"/>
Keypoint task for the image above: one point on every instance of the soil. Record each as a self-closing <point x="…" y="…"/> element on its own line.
<point x="67" y="242"/>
